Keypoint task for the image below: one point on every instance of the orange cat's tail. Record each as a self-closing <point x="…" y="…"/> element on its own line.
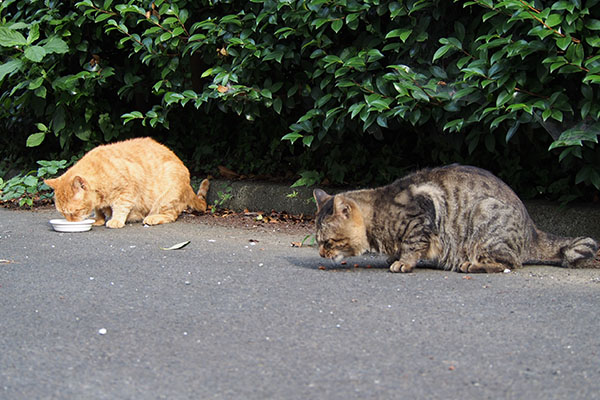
<point x="198" y="201"/>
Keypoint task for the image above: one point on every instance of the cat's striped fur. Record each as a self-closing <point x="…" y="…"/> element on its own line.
<point x="461" y="218"/>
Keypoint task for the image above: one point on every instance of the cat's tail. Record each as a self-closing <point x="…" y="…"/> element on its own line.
<point x="197" y="201"/>
<point x="579" y="252"/>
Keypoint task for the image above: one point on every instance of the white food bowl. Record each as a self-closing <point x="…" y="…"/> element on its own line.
<point x="62" y="225"/>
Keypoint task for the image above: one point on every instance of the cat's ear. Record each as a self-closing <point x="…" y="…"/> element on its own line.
<point x="321" y="198"/>
<point x="342" y="206"/>
<point x="51" y="182"/>
<point x="79" y="184"/>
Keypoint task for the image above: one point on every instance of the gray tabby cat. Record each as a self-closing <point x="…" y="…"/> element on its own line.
<point x="461" y="218"/>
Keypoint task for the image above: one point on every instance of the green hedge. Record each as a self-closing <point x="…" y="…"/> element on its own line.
<point x="359" y="91"/>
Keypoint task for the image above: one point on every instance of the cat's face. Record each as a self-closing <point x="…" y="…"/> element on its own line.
<point x="71" y="198"/>
<point x="341" y="229"/>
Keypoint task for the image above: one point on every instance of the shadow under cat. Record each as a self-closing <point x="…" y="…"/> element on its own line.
<point x="361" y="263"/>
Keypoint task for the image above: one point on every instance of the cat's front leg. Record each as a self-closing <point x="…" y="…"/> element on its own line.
<point x="411" y="252"/>
<point x="119" y="216"/>
<point x="100" y="217"/>
<point x="404" y="265"/>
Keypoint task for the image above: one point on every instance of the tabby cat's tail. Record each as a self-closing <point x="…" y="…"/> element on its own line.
<point x="566" y="252"/>
<point x="197" y="201"/>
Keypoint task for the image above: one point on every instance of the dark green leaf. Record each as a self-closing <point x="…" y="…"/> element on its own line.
<point x="9" y="67"/>
<point x="593" y="24"/>
<point x="553" y="20"/>
<point x="512" y="131"/>
<point x="292" y="137"/>
<point x="337" y="25"/>
<point x="35" y="53"/>
<point x="277" y="105"/>
<point x="403" y="34"/>
<point x="35" y="139"/>
<point x="442" y="51"/>
<point x="10" y="37"/>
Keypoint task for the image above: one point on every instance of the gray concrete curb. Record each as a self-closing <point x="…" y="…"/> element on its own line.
<point x="572" y="220"/>
<point x="261" y="196"/>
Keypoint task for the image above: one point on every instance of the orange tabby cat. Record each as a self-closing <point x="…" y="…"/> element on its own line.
<point x="133" y="180"/>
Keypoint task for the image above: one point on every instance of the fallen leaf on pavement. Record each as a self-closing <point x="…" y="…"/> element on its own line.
<point x="177" y="246"/>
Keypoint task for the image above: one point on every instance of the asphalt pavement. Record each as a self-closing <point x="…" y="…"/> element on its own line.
<point x="241" y="314"/>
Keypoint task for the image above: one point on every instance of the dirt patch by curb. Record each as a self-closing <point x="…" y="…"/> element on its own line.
<point x="272" y="222"/>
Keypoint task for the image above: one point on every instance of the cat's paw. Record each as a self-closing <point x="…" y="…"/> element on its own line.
<point x="476" y="268"/>
<point x="115" y="224"/>
<point x="98" y="222"/>
<point x="157" y="219"/>
<point x="464" y="267"/>
<point x="398" y="266"/>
